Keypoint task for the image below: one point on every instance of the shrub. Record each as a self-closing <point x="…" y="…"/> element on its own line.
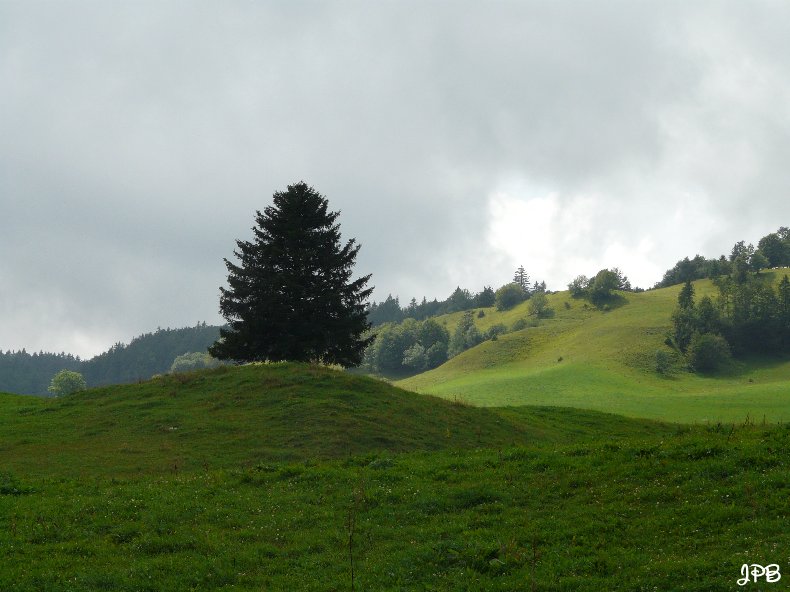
<point x="519" y="325"/>
<point x="494" y="330"/>
<point x="193" y="361"/>
<point x="663" y="361"/>
<point x="66" y="382"/>
<point x="539" y="306"/>
<point x="708" y="352"/>
<point x="509" y="296"/>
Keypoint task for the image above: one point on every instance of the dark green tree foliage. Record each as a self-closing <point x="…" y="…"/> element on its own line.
<point x="291" y="296"/>
<point x="708" y="352"/>
<point x="509" y="296"/>
<point x="773" y="250"/>
<point x="694" y="269"/>
<point x="460" y="299"/>
<point x="521" y="278"/>
<point x="144" y="356"/>
<point x="579" y="286"/>
<point x="486" y="298"/>
<point x="466" y="335"/>
<point x="758" y="262"/>
<point x="741" y="249"/>
<point x="388" y="311"/>
<point x="686" y="296"/>
<point x="749" y="315"/>
<point x="409" y="346"/>
<point x="684" y="318"/>
<point x="147" y="354"/>
<point x="603" y="285"/>
<point x="30" y="374"/>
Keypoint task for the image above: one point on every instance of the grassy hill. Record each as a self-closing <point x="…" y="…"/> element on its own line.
<point x="290" y="477"/>
<point x="260" y="413"/>
<point x="591" y="359"/>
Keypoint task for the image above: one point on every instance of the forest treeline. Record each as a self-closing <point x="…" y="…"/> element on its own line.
<point x="144" y="356"/>
<point x="772" y="250"/>
<point x="750" y="314"/>
<point x="391" y="311"/>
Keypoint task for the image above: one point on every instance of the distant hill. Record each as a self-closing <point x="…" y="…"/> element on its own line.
<point x="144" y="356"/>
<point x="605" y="360"/>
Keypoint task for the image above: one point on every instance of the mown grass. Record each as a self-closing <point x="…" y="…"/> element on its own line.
<point x="605" y="360"/>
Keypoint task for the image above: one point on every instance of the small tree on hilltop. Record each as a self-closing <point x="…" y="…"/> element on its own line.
<point x="291" y="296"/>
<point x="521" y="278"/>
<point x="509" y="296"/>
<point x="603" y="286"/>
<point x="66" y="382"/>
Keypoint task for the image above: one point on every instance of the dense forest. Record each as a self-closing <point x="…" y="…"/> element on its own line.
<point x="146" y="355"/>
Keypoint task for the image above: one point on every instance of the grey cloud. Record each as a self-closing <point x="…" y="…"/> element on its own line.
<point x="138" y="139"/>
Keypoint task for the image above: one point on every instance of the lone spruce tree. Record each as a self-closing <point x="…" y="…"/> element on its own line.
<point x="290" y="296"/>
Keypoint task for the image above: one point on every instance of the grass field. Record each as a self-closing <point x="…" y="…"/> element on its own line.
<point x="289" y="477"/>
<point x="605" y="360"/>
<point x="287" y="412"/>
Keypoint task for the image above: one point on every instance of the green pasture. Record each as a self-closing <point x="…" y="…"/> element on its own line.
<point x="292" y="477"/>
<point x="605" y="360"/>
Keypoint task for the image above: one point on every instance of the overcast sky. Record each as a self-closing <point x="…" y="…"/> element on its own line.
<point x="458" y="139"/>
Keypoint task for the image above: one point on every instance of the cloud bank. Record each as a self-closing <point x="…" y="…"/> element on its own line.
<point x="459" y="140"/>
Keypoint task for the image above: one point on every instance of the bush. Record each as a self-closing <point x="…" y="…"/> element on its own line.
<point x="509" y="296"/>
<point x="66" y="382"/>
<point x="663" y="361"/>
<point x="708" y="352"/>
<point x="193" y="361"/>
<point x="519" y="325"/>
<point x="539" y="306"/>
<point x="494" y="331"/>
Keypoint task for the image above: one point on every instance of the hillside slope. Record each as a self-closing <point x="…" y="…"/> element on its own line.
<point x="590" y="359"/>
<point x="246" y="415"/>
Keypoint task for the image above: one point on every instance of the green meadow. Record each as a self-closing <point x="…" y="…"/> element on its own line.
<point x="605" y="360"/>
<point x="293" y="477"/>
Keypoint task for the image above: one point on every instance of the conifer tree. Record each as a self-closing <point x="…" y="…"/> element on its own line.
<point x="291" y="297"/>
<point x="521" y="277"/>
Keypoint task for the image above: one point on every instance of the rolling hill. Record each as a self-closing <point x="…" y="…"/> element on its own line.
<point x="605" y="360"/>
<point x="260" y="413"/>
